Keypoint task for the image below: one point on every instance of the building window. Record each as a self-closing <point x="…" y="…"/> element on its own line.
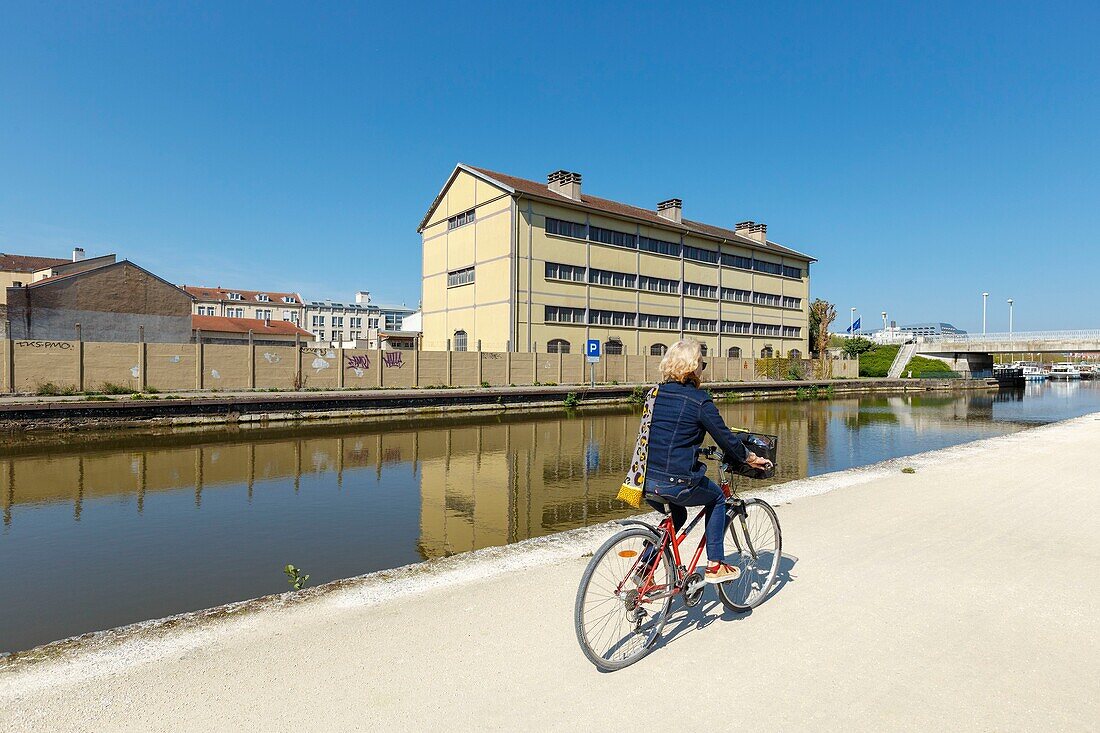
<point x="794" y="272"/>
<point x="337" y="335"/>
<point x="742" y="263"/>
<point x="565" y="228"/>
<point x="699" y="290"/>
<point x="354" y="336"/>
<point x="559" y="314"/>
<point x="765" y="329"/>
<point x="736" y="327"/>
<point x="700" y="324"/>
<point x="264" y="314"/>
<point x="207" y="310"/>
<point x="659" y="246"/>
<point x="615" y="279"/>
<point x="794" y="303"/>
<point x="289" y="299"/>
<point x="735" y="295"/>
<point x="572" y="273"/>
<point x="320" y="335"/>
<point x="665" y="323"/>
<point x="465" y="276"/>
<point x="734" y="351"/>
<point x="700" y="255"/>
<point x="609" y="236"/>
<point x="318" y="321"/>
<point x="234" y="312"/>
<point x="658" y="284"/>
<point x="614" y="347"/>
<point x="794" y="354"/>
<point x="337" y="321"/>
<point x="766" y="352"/>
<point x="771" y="268"/>
<point x="356" y="322"/>
<point x="464" y="218"/>
<point x="792" y="331"/>
<point x="657" y="350"/>
<point x="611" y="318"/>
<point x="460" y="341"/>
<point x="234" y="296"/>
<point x="766" y="299"/>
<point x="262" y="297"/>
<point x="557" y="346"/>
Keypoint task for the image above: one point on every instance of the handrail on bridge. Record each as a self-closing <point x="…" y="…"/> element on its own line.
<point x="1015" y="336"/>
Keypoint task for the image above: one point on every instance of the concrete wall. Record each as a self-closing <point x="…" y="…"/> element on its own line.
<point x="110" y="304"/>
<point x="26" y="365"/>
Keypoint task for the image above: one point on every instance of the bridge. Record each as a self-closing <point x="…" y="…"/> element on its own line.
<point x="974" y="352"/>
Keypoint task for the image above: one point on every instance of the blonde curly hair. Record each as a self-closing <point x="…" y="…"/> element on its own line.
<point x="681" y="362"/>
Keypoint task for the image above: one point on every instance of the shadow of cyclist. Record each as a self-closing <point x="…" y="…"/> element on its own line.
<point x="683" y="620"/>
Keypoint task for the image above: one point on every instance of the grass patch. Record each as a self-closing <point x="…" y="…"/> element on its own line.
<point x="876" y="361"/>
<point x="921" y="365"/>
<point x="112" y="388"/>
<point x="97" y="398"/>
<point x="49" y="389"/>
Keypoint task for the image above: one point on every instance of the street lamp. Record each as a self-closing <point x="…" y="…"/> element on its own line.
<point x="985" y="296"/>
<point x="884" y="323"/>
<point x="1010" y="319"/>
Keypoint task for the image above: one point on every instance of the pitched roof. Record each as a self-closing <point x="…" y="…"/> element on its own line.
<point x="259" y="327"/>
<point x="534" y="189"/>
<point x="28" y="263"/>
<point x="46" y="281"/>
<point x="222" y="294"/>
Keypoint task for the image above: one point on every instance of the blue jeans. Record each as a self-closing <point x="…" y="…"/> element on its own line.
<point x="706" y="494"/>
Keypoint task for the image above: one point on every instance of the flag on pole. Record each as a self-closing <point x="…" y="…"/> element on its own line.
<point x="855" y="326"/>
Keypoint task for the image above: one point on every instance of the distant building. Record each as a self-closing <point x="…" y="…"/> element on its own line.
<point x="220" y="329"/>
<point x="100" y="299"/>
<point x="255" y="304"/>
<point x="19" y="270"/>
<point x="360" y="324"/>
<point x="933" y="329"/>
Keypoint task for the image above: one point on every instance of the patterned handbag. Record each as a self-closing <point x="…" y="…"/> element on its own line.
<point x="632" y="489"/>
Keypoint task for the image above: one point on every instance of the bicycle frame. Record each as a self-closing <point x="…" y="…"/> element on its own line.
<point x="670" y="536"/>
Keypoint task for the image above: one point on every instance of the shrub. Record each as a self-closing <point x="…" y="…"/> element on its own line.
<point x="921" y="365"/>
<point x="486" y="384"/>
<point x="853" y="347"/>
<point x="796" y="370"/>
<point x="572" y="401"/>
<point x="49" y="389"/>
<point x="112" y="388"/>
<point x="876" y="362"/>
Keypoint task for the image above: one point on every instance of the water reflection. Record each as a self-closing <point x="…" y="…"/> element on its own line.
<point x="186" y="521"/>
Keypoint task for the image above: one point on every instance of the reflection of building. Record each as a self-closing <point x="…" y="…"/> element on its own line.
<point x="520" y="265"/>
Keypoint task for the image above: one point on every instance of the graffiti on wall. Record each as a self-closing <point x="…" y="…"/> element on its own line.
<point x="61" y="345"/>
<point x="393" y="359"/>
<point x="358" y="363"/>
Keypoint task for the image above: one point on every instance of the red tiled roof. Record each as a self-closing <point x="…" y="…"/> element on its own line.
<point x="594" y="203"/>
<point x="249" y="296"/>
<point x="221" y="324"/>
<point x="28" y="263"/>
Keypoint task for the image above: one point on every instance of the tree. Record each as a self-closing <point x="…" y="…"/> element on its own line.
<point x="822" y="315"/>
<point x="855" y="346"/>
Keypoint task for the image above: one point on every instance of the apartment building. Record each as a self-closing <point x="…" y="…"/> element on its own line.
<point x="514" y="264"/>
<point x="255" y="304"/>
<point x="361" y="324"/>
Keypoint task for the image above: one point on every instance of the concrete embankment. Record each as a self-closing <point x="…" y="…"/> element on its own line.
<point x="960" y="596"/>
<point x="23" y="412"/>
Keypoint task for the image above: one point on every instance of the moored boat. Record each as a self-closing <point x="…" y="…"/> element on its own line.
<point x="1065" y="370"/>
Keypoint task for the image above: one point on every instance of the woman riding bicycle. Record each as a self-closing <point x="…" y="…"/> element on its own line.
<point x="683" y="414"/>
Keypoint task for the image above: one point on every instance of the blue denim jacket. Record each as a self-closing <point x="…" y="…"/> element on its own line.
<point x="682" y="416"/>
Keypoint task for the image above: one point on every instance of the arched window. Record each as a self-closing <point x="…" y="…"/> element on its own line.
<point x="735" y="351"/>
<point x="657" y="350"/>
<point x="614" y="347"/>
<point x="460" y="340"/>
<point x="767" y="352"/>
<point x="794" y="354"/>
<point x="703" y="349"/>
<point x="557" y="346"/>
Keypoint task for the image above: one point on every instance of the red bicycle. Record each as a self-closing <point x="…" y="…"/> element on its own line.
<point x="627" y="590"/>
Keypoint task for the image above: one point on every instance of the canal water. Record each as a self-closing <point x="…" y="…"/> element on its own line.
<point x="100" y="530"/>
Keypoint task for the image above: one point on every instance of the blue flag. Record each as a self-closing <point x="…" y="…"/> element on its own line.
<point x="855" y="326"/>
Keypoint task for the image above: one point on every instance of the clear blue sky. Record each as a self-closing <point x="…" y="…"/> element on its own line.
<point x="923" y="152"/>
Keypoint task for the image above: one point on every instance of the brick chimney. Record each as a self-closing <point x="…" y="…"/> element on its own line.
<point x="78" y="254"/>
<point x="752" y="230"/>
<point x="673" y="210"/>
<point x="565" y="183"/>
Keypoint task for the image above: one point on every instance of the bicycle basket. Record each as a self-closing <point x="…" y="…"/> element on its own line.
<point x="764" y="446"/>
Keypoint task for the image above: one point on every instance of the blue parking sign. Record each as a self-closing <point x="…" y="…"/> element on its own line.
<point x="593" y="347"/>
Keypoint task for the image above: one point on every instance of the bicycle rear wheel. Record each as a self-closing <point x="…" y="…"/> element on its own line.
<point x="757" y="548"/>
<point x="616" y="625"/>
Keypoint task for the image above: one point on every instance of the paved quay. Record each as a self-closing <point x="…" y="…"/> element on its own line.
<point x="958" y="597"/>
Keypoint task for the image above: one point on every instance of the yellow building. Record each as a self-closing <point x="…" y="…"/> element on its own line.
<point x="517" y="265"/>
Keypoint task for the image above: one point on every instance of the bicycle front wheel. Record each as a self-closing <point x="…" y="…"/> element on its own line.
<point x="618" y="615"/>
<point x="757" y="548"/>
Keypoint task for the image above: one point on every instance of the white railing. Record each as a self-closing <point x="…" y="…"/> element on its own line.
<point x="1016" y="336"/>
